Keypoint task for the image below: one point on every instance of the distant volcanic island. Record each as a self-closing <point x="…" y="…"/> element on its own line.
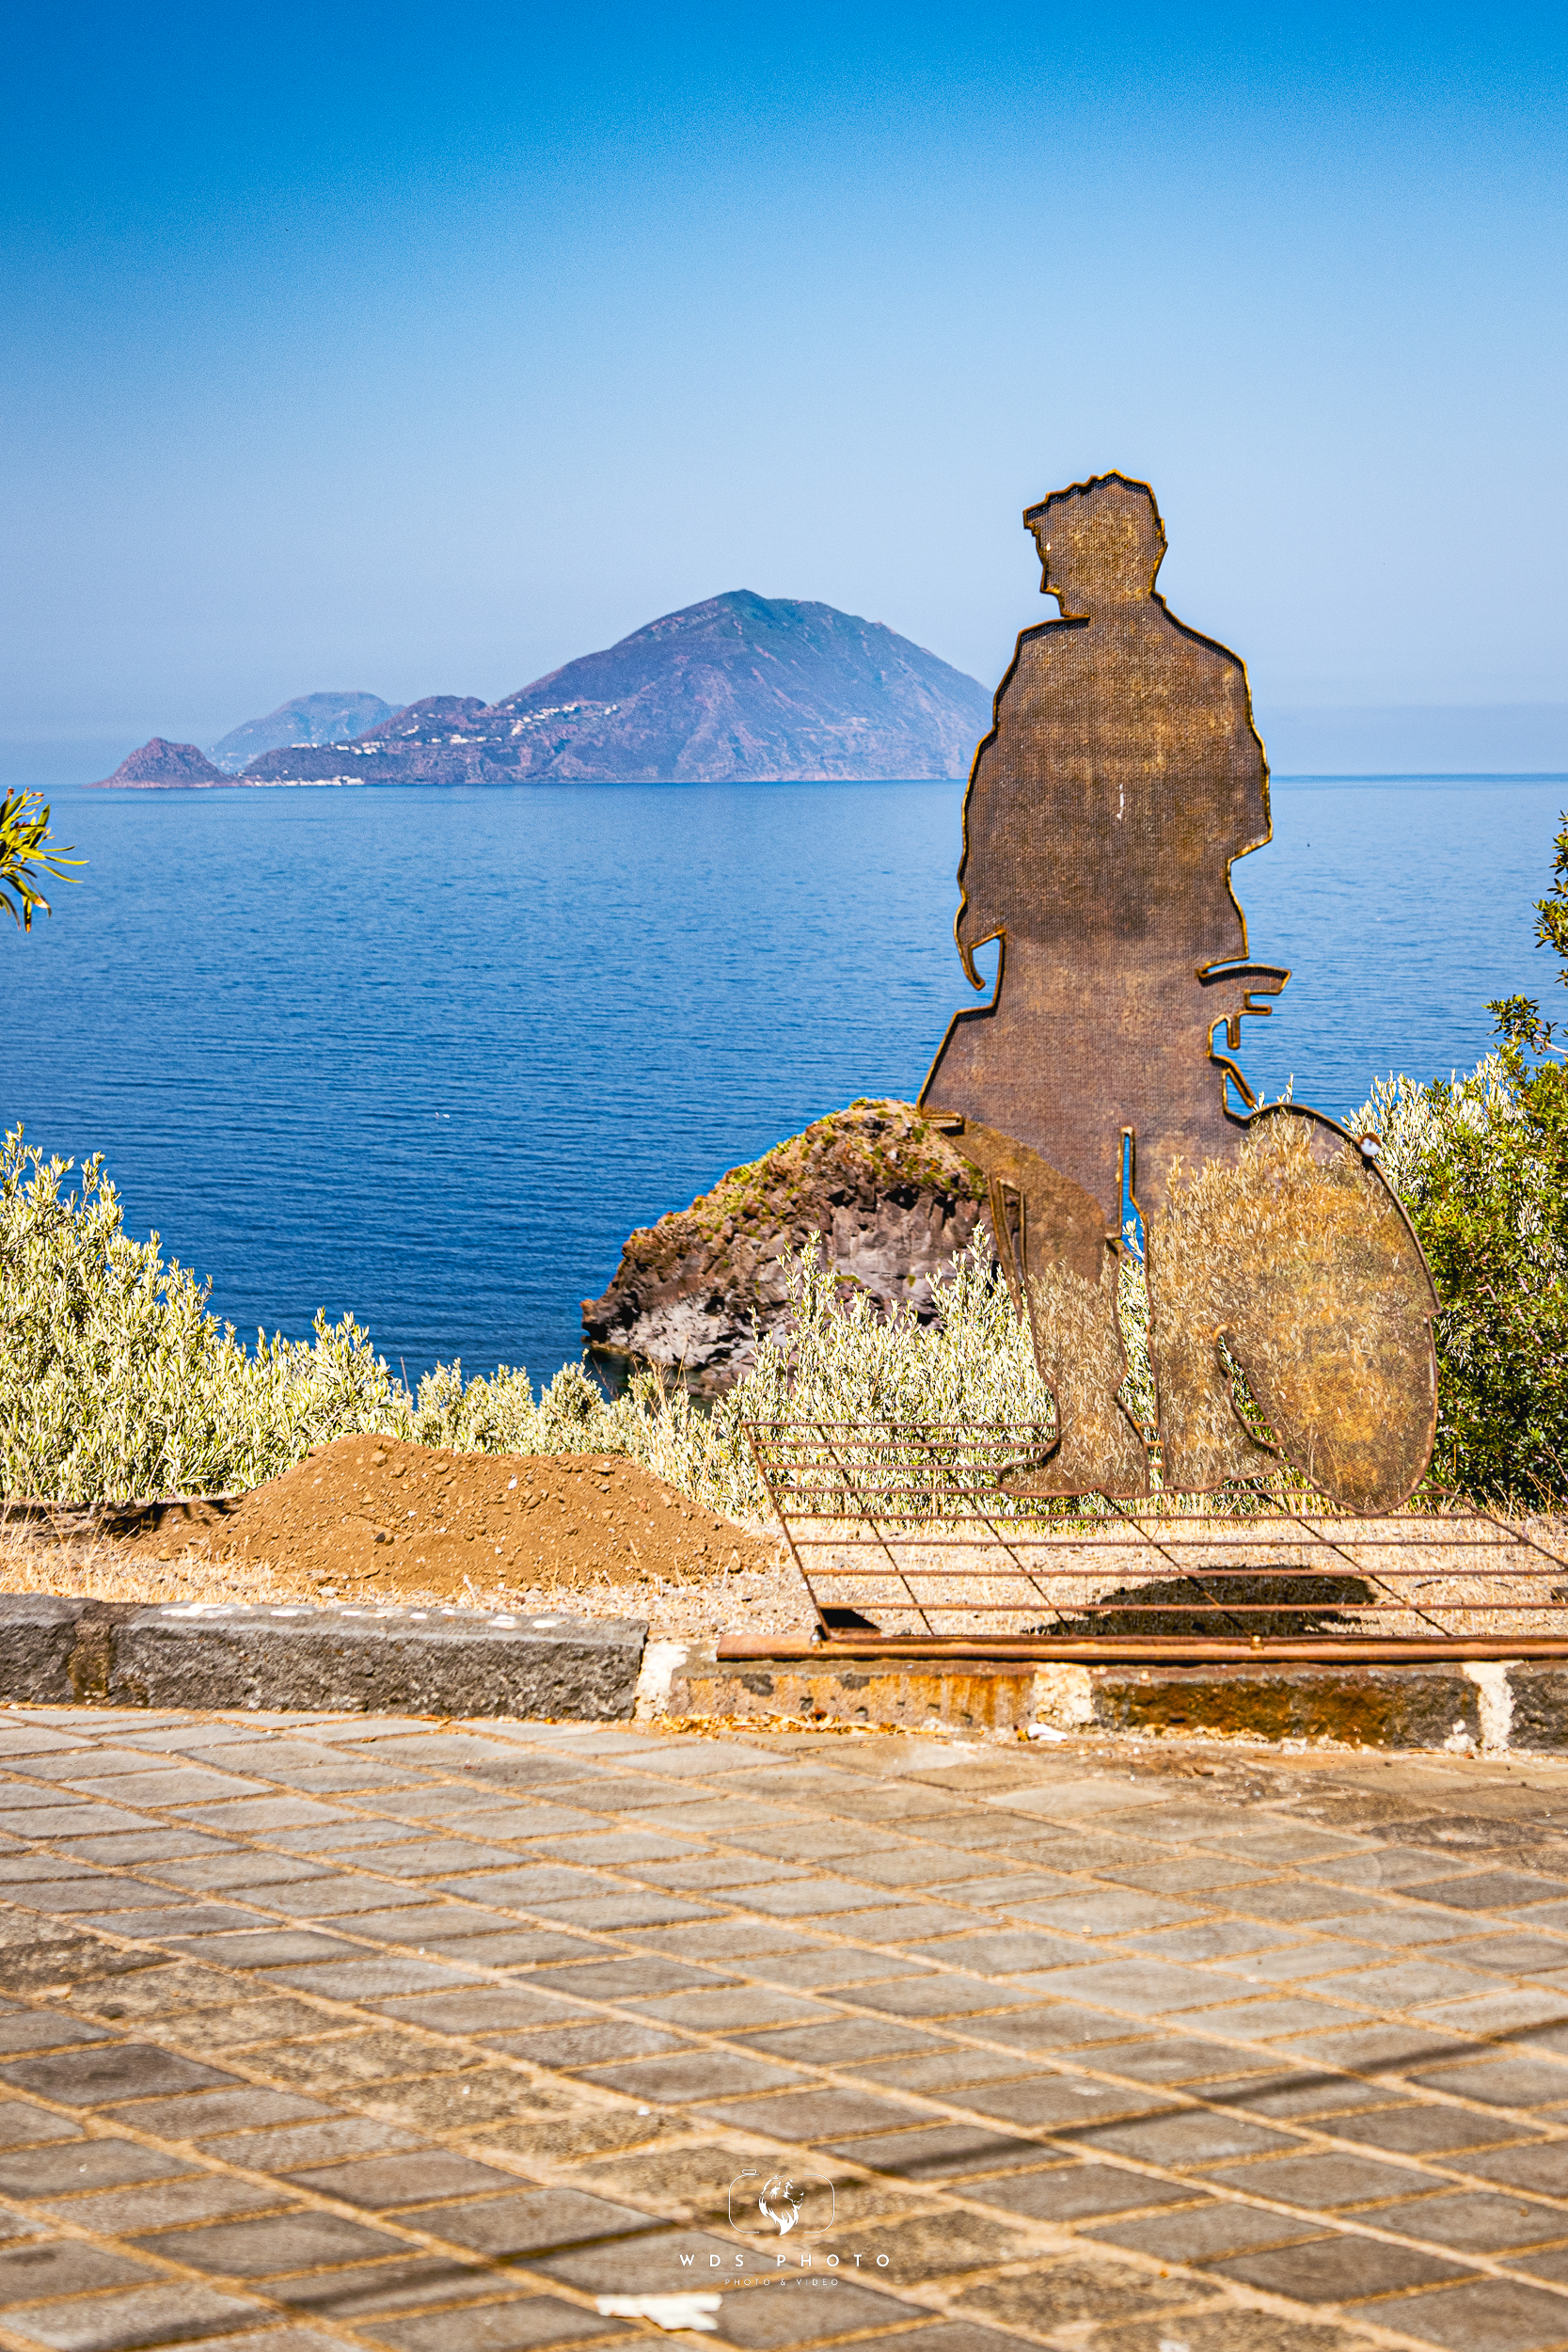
<point x="743" y="689"/>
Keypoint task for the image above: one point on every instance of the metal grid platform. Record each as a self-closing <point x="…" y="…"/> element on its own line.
<point x="932" y="1539"/>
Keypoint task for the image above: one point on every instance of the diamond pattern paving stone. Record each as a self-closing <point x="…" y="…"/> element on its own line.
<point x="550" y="2220"/>
<point x="937" y="2152"/>
<point x="1432" y="2130"/>
<point x="257" y="1816"/>
<point x="1286" y="1931"/>
<point x="1052" y="2102"/>
<point x="475" y="2008"/>
<point x="1340" y="2270"/>
<point x="613" y="1979"/>
<point x="38" y="2172"/>
<point x="511" y="1947"/>
<point x="1203" y="2234"/>
<point x="1542" y="2168"/>
<point x="145" y="2315"/>
<point x="944" y="1995"/>
<point x="275" y="2244"/>
<point x="1005" y="1952"/>
<point x="1196" y="2136"/>
<point x="693" y="2075"/>
<point x="1477" y="2222"/>
<point x="367" y="1975"/>
<point x="169" y="1926"/>
<point x="1326" y="2180"/>
<point x="267" y="1947"/>
<point x="802" y="1899"/>
<point x="846" y="2041"/>
<point x="107" y="2073"/>
<point x="519" y="1888"/>
<point x="1145" y="1987"/>
<point x="745" y="2005"/>
<point x="510" y="2327"/>
<point x="633" y="1907"/>
<point x="203" y="2114"/>
<point x="65" y="1820"/>
<point x="98" y="1891"/>
<point x="21" y="2124"/>
<point x="31" y="2274"/>
<point x="1490" y="2315"/>
<point x="769" y="2315"/>
<point x="813" y="2115"/>
<point x="291" y="2149"/>
<point x="167" y="1785"/>
<point x="382" y="2183"/>
<point x="417" y="1922"/>
<point x="594" y="2043"/>
<point x="901" y="1923"/>
<point x="411" y="2282"/>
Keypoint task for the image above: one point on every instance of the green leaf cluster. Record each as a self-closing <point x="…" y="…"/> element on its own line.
<point x="25" y="855"/>
<point x="1482" y="1165"/>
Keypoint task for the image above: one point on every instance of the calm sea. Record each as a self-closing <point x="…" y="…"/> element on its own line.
<point x="431" y="1055"/>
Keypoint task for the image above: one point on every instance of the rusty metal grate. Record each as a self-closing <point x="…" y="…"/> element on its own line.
<point x="923" y="1537"/>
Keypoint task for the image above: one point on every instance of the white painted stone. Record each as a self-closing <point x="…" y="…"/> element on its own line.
<point x="1494" y="1701"/>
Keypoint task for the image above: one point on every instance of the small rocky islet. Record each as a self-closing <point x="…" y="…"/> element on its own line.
<point x="889" y="1196"/>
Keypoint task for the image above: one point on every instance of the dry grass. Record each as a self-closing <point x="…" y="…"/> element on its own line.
<point x="1079" y="1356"/>
<point x="1297" y="1256"/>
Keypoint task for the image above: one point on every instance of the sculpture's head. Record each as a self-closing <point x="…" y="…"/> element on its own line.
<point x="1101" y="543"/>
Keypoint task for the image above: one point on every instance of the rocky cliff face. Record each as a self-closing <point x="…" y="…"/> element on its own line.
<point x="160" y="763"/>
<point x="739" y="689"/>
<point x="890" y="1197"/>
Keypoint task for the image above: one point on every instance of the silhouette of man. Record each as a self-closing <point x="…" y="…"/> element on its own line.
<point x="1122" y="776"/>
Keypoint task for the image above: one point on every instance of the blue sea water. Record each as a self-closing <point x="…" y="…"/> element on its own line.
<point x="431" y="1055"/>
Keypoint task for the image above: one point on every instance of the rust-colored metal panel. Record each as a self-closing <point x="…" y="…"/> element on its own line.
<point x="1122" y="778"/>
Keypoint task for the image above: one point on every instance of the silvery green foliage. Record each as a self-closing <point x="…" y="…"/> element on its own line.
<point x="843" y="1359"/>
<point x="1415" y="1124"/>
<point x="115" y="1380"/>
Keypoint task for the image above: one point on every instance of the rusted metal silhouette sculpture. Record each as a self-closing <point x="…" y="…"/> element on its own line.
<point x="1123" y="777"/>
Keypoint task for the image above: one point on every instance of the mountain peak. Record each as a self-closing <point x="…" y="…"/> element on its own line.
<point x="159" y="762"/>
<point x="334" y="716"/>
<point x="739" y="688"/>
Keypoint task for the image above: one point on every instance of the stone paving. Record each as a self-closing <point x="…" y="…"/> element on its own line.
<point x="425" y="2037"/>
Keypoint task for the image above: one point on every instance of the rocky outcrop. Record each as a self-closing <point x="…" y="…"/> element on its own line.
<point x="739" y="689"/>
<point x="163" y="764"/>
<point x="890" y="1199"/>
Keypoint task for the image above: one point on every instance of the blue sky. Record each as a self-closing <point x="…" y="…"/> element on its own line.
<point x="421" y="351"/>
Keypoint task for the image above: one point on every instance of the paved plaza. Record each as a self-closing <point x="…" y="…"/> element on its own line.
<point x="444" y="2038"/>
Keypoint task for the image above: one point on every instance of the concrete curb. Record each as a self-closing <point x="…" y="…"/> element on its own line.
<point x="1462" y="1709"/>
<point x="57" y="1652"/>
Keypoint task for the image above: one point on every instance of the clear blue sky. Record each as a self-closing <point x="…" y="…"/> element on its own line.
<point x="421" y="350"/>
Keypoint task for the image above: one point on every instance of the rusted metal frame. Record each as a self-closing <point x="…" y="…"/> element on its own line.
<point x="1318" y="1537"/>
<point x="1517" y="1535"/>
<point x="1510" y="1538"/>
<point x="1155" y="1545"/>
<point x="962" y="1508"/>
<point x="1006" y="1547"/>
<point x="1333" y="1650"/>
<point x="759" y="1456"/>
<point x="867" y="1520"/>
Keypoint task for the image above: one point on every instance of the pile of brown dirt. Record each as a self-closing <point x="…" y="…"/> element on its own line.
<point x="416" y="1519"/>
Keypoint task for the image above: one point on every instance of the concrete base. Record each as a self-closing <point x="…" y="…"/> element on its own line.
<point x="407" y="1661"/>
<point x="1460" y="1708"/>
